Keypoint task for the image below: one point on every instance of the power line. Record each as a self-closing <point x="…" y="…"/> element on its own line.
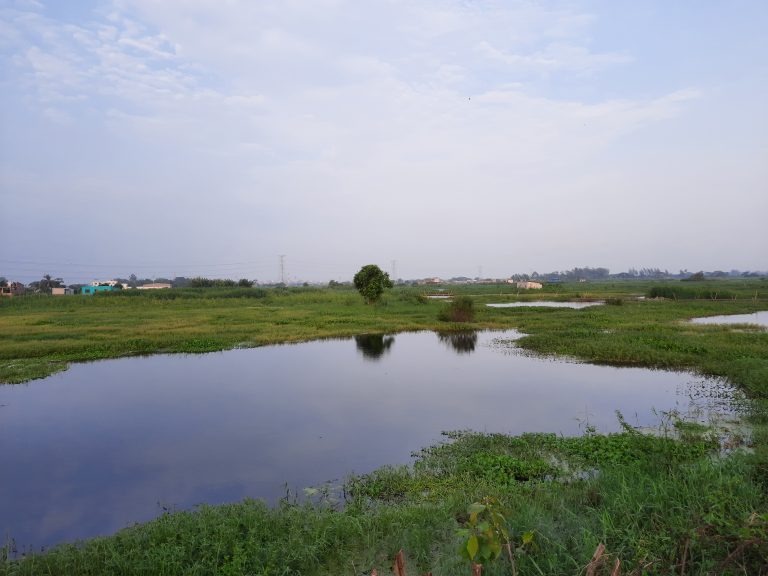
<point x="123" y="265"/>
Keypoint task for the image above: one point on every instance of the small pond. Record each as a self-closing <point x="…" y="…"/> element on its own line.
<point x="107" y="444"/>
<point x="759" y="318"/>
<point x="546" y="304"/>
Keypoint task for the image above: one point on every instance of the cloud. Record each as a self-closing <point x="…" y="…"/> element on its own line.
<point x="555" y="57"/>
<point x="269" y="116"/>
<point x="289" y="63"/>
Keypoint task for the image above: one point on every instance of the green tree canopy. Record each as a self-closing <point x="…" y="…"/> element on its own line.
<point x="46" y="284"/>
<point x="371" y="281"/>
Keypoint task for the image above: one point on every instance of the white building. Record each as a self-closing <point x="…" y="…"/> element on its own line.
<point x="528" y="285"/>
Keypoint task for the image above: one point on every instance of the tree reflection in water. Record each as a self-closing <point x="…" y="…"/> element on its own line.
<point x="374" y="346"/>
<point x="461" y="342"/>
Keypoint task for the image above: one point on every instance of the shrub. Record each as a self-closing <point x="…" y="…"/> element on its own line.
<point x="698" y="277"/>
<point x="460" y="309"/>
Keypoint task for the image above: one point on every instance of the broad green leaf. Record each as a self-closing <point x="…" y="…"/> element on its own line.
<point x="495" y="548"/>
<point x="472" y="546"/>
<point x="527" y="537"/>
<point x="475" y="508"/>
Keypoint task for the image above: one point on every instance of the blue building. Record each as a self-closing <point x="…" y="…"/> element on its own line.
<point x="93" y="289"/>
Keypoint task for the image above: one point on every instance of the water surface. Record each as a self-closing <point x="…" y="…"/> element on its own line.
<point x="106" y="444"/>
<point x="759" y="318"/>
<point x="546" y="304"/>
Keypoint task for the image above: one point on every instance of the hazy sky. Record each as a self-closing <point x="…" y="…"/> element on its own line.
<point x="207" y="137"/>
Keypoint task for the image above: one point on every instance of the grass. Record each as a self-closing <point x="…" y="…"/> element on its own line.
<point x="662" y="504"/>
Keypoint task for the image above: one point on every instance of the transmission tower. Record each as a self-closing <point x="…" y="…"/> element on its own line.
<point x="282" y="269"/>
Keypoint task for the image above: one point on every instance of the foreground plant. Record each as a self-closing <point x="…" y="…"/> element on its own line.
<point x="485" y="536"/>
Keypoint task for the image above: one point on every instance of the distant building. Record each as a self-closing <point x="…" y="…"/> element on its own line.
<point x="95" y="287"/>
<point x="154" y="286"/>
<point x="13" y="289"/>
<point x="528" y="285"/>
<point x="61" y="291"/>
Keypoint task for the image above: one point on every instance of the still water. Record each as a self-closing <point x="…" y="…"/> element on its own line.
<point x="546" y="304"/>
<point x="759" y="318"/>
<point x="107" y="444"/>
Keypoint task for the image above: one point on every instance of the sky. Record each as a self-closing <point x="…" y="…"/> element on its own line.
<point x="436" y="138"/>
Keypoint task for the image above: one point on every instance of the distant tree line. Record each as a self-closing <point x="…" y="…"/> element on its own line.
<point x="182" y="282"/>
<point x="199" y="282"/>
<point x="643" y="273"/>
<point x="576" y="274"/>
<point x="46" y="284"/>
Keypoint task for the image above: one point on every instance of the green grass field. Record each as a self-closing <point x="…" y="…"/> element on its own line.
<point x="680" y="503"/>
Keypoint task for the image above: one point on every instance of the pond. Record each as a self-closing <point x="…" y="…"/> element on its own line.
<point x="107" y="444"/>
<point x="759" y="318"/>
<point x="546" y="304"/>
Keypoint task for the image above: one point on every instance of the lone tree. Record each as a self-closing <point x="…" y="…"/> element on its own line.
<point x="370" y="281"/>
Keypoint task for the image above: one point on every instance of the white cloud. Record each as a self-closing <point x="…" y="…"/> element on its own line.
<point x="285" y="112"/>
<point x="555" y="57"/>
<point x="57" y="115"/>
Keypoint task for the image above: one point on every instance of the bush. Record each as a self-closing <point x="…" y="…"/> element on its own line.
<point x="460" y="309"/>
<point x="411" y="295"/>
<point x="698" y="277"/>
